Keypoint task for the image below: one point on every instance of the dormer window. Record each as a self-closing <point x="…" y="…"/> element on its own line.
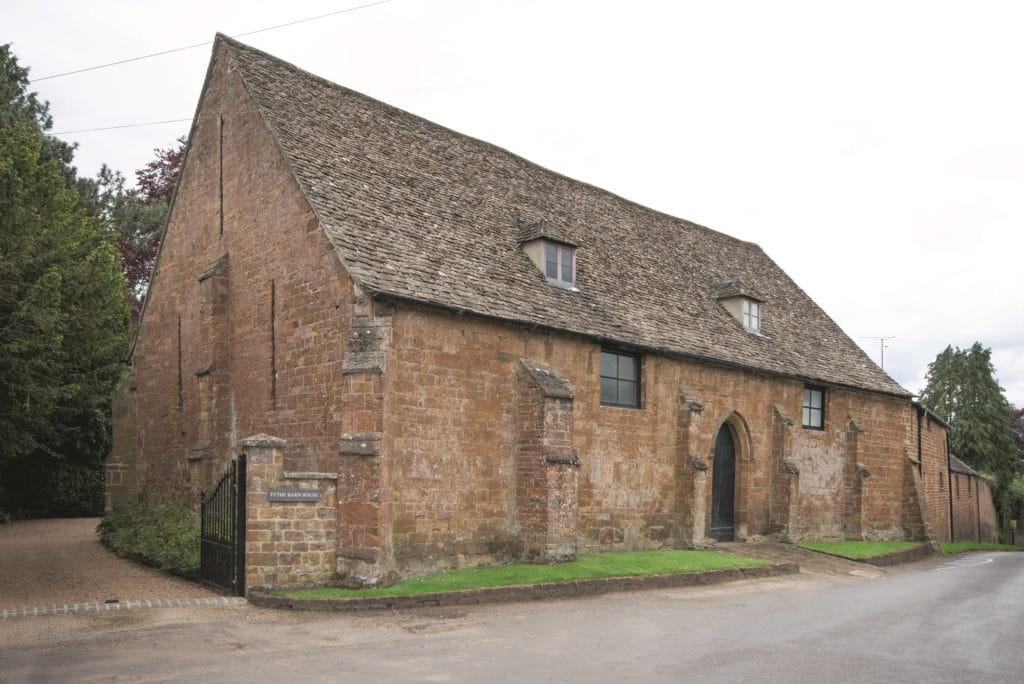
<point x="551" y="250"/>
<point x="558" y="262"/>
<point x="739" y="301"/>
<point x="751" y="315"/>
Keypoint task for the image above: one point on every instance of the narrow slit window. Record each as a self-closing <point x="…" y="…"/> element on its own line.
<point x="273" y="345"/>
<point x="181" y="384"/>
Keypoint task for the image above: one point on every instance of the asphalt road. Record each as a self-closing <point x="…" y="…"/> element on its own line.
<point x="938" y="620"/>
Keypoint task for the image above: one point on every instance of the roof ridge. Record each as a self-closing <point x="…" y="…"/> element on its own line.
<point x="687" y="223"/>
<point x="421" y="212"/>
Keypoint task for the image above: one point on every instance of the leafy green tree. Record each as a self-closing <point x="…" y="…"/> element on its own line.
<point x="1017" y="428"/>
<point x="962" y="389"/>
<point x="137" y="215"/>
<point x="63" y="319"/>
<point x="136" y="228"/>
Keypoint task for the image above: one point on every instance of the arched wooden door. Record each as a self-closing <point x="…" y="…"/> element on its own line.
<point x="723" y="487"/>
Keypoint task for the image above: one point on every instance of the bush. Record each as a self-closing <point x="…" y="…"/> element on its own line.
<point x="164" y="536"/>
<point x="50" y="487"/>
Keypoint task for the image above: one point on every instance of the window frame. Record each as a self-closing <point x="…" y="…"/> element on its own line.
<point x="637" y="360"/>
<point x="751" y="313"/>
<point x="808" y="409"/>
<point x="561" y="251"/>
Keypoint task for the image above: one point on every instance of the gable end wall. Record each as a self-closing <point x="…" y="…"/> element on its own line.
<point x="174" y="439"/>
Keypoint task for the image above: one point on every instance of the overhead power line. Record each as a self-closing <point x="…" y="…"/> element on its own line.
<point x="111" y="128"/>
<point x="208" y="42"/>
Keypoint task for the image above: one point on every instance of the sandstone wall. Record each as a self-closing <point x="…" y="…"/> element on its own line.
<point x="246" y="325"/>
<point x="450" y="436"/>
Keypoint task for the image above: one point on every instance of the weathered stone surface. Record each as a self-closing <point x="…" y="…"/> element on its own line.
<point x="455" y="395"/>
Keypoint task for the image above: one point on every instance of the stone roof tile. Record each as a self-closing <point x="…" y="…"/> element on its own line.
<point x="417" y="211"/>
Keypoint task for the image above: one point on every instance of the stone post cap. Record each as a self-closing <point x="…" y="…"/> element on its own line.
<point x="263" y="440"/>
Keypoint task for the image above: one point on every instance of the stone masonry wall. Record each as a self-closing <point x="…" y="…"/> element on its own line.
<point x="247" y="320"/>
<point x="450" y="433"/>
<point x="963" y="489"/>
<point x="254" y="327"/>
<point x="287" y="543"/>
<point x="547" y="477"/>
<point x="935" y="475"/>
<point x="989" y="518"/>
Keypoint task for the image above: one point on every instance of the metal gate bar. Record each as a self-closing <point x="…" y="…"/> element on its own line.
<point x="222" y="531"/>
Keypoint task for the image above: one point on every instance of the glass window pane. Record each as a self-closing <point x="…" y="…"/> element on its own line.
<point x="609" y="391"/>
<point x="566" y="256"/>
<point x="609" y="365"/>
<point x="807" y="417"/>
<point x="627" y="367"/>
<point x="627" y="393"/>
<point x="815" y="399"/>
<point x="551" y="261"/>
<point x="807" y="397"/>
<point x="816" y="418"/>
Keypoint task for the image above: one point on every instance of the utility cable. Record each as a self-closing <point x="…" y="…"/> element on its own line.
<point x="111" y="128"/>
<point x="208" y="42"/>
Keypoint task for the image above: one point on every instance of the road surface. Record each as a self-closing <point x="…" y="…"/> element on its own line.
<point x="937" y="621"/>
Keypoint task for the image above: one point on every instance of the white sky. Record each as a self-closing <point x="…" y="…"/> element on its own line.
<point x="875" y="150"/>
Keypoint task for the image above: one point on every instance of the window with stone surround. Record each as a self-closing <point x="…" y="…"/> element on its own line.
<point x="620" y="379"/>
<point x="814" y="408"/>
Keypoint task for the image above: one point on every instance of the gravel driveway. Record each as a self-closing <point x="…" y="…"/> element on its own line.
<point x="43" y="562"/>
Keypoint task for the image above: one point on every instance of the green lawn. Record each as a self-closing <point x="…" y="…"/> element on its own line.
<point x="587" y="566"/>
<point x="953" y="548"/>
<point x="857" y="550"/>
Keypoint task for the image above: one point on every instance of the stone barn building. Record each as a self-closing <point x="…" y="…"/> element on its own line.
<point x="472" y="359"/>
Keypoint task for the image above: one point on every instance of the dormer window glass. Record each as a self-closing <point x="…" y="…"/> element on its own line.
<point x="741" y="302"/>
<point x="751" y="315"/>
<point x="558" y="262"/>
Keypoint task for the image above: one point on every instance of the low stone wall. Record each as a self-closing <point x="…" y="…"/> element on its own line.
<point x="533" y="592"/>
<point x="905" y="556"/>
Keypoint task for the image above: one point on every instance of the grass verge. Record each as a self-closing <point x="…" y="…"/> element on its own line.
<point x="858" y="550"/>
<point x="587" y="566"/>
<point x="953" y="548"/>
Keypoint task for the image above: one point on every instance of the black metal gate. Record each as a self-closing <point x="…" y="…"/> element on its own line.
<point x="222" y="546"/>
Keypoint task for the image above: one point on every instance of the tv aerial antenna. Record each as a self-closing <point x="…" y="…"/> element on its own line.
<point x="883" y="341"/>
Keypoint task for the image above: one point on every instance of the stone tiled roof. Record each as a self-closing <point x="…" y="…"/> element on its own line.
<point x="958" y="466"/>
<point x="417" y="211"/>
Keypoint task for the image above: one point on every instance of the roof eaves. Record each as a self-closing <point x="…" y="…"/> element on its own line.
<point x="958" y="466"/>
<point x="379" y="293"/>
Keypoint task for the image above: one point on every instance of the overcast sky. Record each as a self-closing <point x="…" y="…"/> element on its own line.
<point x="875" y="150"/>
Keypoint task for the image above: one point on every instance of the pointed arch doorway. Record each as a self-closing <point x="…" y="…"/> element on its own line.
<point x="723" y="487"/>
